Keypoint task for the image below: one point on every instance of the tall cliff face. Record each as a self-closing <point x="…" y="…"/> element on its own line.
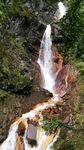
<point x="23" y="24"/>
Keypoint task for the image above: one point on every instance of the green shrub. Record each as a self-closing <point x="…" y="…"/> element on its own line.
<point x="3" y="94"/>
<point x="51" y="124"/>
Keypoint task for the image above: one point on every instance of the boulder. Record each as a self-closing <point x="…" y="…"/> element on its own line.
<point x="31" y="135"/>
<point x="32" y="131"/>
<point x="67" y="119"/>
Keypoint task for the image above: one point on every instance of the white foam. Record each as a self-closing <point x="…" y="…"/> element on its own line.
<point x="62" y="9"/>
<point x="45" y="61"/>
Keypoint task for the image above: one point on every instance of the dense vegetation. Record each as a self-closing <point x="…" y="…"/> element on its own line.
<point x="72" y="28"/>
<point x="12" y="50"/>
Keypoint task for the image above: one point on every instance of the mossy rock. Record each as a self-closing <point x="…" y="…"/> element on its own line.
<point x="3" y="94"/>
<point x="79" y="121"/>
<point x="12" y="74"/>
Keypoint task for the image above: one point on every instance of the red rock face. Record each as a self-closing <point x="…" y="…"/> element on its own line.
<point x="64" y="79"/>
<point x="57" y="61"/>
<point x="65" y="75"/>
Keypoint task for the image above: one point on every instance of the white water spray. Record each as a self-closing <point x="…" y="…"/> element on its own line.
<point x="62" y="9"/>
<point x="45" y="61"/>
<point x="10" y="142"/>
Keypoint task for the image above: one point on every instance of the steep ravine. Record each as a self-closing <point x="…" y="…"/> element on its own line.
<point x="24" y="91"/>
<point x="19" y="88"/>
<point x="32" y="131"/>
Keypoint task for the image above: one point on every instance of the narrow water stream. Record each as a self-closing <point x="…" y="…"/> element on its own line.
<point x="45" y="61"/>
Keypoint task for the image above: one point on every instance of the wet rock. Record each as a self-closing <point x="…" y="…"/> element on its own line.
<point x="31" y="135"/>
<point x="2" y="137"/>
<point x="19" y="144"/>
<point x="32" y="131"/>
<point x="65" y="77"/>
<point x="67" y="119"/>
<point x="34" y="121"/>
<point x="21" y="128"/>
<point x="45" y="92"/>
<point x="60" y="102"/>
<point x="32" y="142"/>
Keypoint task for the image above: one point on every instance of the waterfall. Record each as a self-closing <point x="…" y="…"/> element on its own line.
<point x="44" y="141"/>
<point x="10" y="142"/>
<point x="62" y="9"/>
<point x="45" y="61"/>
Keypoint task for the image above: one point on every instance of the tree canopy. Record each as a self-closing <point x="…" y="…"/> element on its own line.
<point x="72" y="28"/>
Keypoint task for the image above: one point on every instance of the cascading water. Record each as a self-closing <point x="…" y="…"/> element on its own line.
<point x="62" y="9"/>
<point x="44" y="142"/>
<point x="45" y="61"/>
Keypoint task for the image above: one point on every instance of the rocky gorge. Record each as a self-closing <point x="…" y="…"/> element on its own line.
<point x="19" y="73"/>
<point x="18" y="66"/>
